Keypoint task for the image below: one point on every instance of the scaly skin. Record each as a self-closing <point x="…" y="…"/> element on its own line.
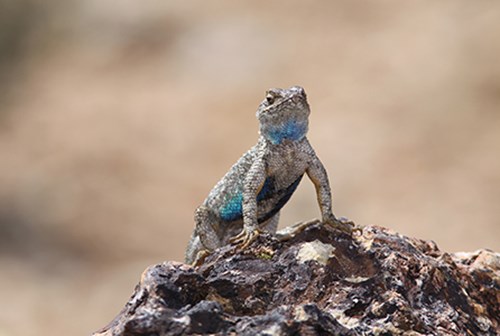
<point x="247" y="200"/>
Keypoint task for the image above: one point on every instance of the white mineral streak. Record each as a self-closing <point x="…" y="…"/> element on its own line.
<point x="315" y="250"/>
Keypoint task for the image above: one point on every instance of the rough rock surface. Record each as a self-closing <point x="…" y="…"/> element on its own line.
<point x="313" y="280"/>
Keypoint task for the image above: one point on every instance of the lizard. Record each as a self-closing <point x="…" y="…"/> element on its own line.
<point x="248" y="199"/>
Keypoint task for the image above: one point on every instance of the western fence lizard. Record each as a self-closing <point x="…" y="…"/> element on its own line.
<point x="249" y="197"/>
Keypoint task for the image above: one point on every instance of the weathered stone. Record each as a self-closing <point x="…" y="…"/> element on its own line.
<point x="318" y="281"/>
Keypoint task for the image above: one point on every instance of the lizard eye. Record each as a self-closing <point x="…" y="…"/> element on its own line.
<point x="270" y="98"/>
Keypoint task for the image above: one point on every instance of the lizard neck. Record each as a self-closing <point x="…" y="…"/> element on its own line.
<point x="292" y="130"/>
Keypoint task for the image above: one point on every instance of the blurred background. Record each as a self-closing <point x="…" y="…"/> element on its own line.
<point x="118" y="117"/>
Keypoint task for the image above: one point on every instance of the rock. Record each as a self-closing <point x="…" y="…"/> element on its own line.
<point x="314" y="280"/>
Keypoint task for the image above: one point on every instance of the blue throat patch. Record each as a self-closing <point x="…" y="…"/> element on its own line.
<point x="291" y="130"/>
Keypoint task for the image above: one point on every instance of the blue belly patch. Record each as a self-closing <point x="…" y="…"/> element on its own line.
<point x="287" y="193"/>
<point x="267" y="189"/>
<point x="233" y="209"/>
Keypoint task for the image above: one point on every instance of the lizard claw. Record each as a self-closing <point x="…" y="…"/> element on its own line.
<point x="345" y="226"/>
<point x="245" y="238"/>
<point x="200" y="258"/>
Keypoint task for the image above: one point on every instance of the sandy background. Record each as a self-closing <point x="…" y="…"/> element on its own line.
<point x="117" y="118"/>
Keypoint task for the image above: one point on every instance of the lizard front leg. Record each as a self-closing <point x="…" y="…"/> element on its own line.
<point x="317" y="173"/>
<point x="252" y="185"/>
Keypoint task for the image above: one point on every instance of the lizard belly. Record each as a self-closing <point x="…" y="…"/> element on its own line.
<point x="272" y="198"/>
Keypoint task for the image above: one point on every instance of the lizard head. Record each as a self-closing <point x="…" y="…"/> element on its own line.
<point x="283" y="115"/>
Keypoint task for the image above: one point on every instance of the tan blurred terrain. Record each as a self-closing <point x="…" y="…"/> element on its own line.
<point x="118" y="117"/>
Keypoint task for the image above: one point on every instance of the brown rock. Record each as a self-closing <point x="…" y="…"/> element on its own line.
<point x="318" y="281"/>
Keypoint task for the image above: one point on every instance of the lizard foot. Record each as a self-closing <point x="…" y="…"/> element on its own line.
<point x="345" y="226"/>
<point x="200" y="258"/>
<point x="245" y="238"/>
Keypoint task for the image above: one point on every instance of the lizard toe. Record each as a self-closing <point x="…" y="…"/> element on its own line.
<point x="345" y="226"/>
<point x="245" y="238"/>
